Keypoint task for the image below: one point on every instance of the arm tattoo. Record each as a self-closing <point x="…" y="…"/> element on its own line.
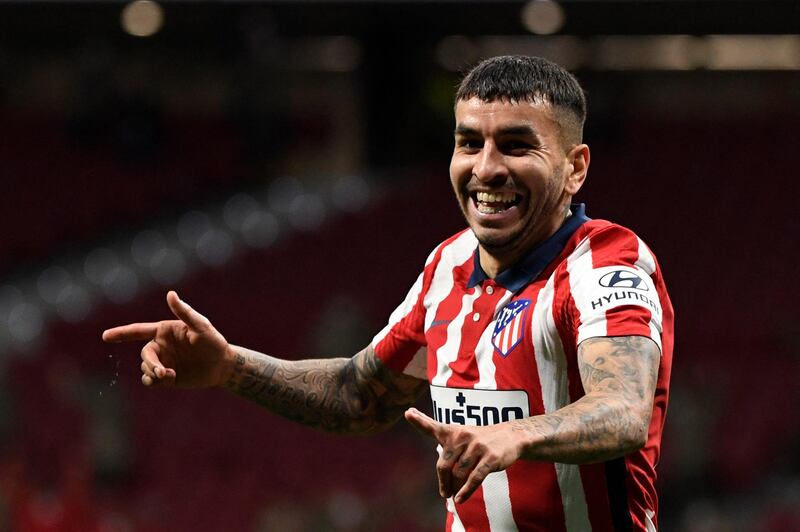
<point x="358" y="394"/>
<point x="619" y="376"/>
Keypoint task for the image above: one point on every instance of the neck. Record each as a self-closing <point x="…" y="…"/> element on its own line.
<point x="496" y="262"/>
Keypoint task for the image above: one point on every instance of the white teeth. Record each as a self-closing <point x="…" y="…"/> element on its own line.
<point x="486" y="209"/>
<point x="501" y="197"/>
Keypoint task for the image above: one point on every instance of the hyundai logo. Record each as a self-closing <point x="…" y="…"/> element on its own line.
<point x="623" y="279"/>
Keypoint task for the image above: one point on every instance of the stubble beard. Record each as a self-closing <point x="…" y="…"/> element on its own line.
<point x="516" y="242"/>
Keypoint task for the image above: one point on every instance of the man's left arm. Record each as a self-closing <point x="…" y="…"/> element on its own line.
<point x="619" y="377"/>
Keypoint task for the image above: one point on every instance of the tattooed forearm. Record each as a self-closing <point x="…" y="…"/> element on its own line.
<point x="357" y="395"/>
<point x="619" y="376"/>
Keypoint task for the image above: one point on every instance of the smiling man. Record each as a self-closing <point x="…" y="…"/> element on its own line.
<point x="545" y="337"/>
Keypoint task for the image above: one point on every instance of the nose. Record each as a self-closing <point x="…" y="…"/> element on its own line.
<point x="490" y="164"/>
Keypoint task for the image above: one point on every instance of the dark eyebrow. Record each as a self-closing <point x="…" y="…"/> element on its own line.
<point x="521" y="130"/>
<point x="518" y="131"/>
<point x="465" y="131"/>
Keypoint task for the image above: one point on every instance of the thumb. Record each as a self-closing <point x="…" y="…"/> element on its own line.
<point x="425" y="424"/>
<point x="196" y="321"/>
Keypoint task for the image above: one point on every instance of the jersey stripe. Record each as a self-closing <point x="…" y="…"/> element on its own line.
<point x="484" y="350"/>
<point x="448" y="353"/>
<point x="456" y="253"/>
<point x="498" y="502"/>
<point x="552" y="365"/>
<point x="453" y="518"/>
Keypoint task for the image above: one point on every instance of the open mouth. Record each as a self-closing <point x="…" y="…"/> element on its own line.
<point x="495" y="202"/>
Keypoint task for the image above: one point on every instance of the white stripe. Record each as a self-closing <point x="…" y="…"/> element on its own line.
<point x="509" y="337"/>
<point x="456" y="253"/>
<point x="458" y="526"/>
<point x="498" y="502"/>
<point x="647" y="263"/>
<point x="484" y="351"/>
<point x="449" y="351"/>
<point x="551" y="363"/>
<point x="505" y="336"/>
<point x="646" y="260"/>
<point x="518" y="324"/>
<point x="578" y="263"/>
<point x="649" y="526"/>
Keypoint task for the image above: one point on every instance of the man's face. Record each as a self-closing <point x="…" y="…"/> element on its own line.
<point x="511" y="173"/>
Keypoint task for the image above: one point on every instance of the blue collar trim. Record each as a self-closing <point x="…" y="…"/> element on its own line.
<point x="534" y="263"/>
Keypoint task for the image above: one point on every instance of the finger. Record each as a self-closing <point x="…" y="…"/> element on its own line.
<point x="196" y="321"/>
<point x="147" y="370"/>
<point x="475" y="479"/>
<point x="460" y="469"/>
<point x="444" y="472"/>
<point x="132" y="332"/>
<point x="153" y="367"/>
<point x="426" y="425"/>
<point x="147" y="380"/>
<point x="150" y="353"/>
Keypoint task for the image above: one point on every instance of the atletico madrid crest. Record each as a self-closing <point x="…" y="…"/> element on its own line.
<point x="509" y="330"/>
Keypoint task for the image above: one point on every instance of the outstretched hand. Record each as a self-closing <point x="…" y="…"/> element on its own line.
<point x="468" y="453"/>
<point x="187" y="352"/>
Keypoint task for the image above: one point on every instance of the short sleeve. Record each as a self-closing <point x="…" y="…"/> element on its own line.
<point x="614" y="287"/>
<point x="401" y="344"/>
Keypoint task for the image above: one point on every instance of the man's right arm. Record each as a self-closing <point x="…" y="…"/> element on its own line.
<point x="356" y="395"/>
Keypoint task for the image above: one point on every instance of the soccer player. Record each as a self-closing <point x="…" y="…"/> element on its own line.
<point x="544" y="337"/>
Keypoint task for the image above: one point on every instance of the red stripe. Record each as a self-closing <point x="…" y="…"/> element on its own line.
<point x="465" y="367"/>
<point x="448" y="525"/>
<point x="447" y="311"/>
<point x="614" y="245"/>
<point x="473" y="513"/>
<point x="628" y="320"/>
<point x="535" y="496"/>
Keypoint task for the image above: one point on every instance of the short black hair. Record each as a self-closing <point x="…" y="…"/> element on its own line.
<point x="518" y="78"/>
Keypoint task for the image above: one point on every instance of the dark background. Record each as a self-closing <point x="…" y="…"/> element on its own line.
<point x="283" y="165"/>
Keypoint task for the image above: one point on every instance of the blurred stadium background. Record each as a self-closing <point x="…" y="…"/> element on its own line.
<point x="284" y="166"/>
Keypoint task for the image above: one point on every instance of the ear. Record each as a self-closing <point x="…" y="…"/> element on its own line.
<point x="577" y="167"/>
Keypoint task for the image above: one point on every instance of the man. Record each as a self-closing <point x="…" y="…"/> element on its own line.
<point x="545" y="337"/>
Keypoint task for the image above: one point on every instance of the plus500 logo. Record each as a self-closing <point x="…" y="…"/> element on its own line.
<point x="465" y="413"/>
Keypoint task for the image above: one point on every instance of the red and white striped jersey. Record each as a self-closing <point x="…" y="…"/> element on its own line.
<point x="500" y="349"/>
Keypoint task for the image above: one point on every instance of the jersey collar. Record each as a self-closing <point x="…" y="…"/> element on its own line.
<point x="527" y="269"/>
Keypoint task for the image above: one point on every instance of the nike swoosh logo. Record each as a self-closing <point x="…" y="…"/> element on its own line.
<point x="436" y="323"/>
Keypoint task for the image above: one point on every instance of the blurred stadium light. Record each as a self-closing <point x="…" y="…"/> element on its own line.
<point x="634" y="53"/>
<point x="543" y="17"/>
<point x="120" y="270"/>
<point x="142" y="18"/>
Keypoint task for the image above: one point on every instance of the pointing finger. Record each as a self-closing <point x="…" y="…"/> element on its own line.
<point x="132" y="332"/>
<point x="425" y="424"/>
<point x="196" y="321"/>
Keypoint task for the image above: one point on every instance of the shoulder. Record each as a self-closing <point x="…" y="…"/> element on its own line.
<point x="604" y="243"/>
